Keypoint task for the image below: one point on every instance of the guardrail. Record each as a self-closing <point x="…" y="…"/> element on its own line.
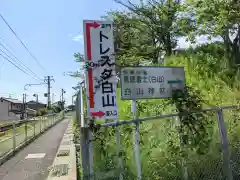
<point x="18" y="136"/>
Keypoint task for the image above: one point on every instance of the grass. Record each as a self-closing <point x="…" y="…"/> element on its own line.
<point x="6" y="145"/>
<point x="19" y="129"/>
<point x="161" y="154"/>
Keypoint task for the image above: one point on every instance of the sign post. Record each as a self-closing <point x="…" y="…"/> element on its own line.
<point x="148" y="83"/>
<point x="100" y="64"/>
<point x="136" y="142"/>
<point x="101" y="82"/>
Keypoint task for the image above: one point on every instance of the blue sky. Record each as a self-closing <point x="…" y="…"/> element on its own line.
<point x="52" y="30"/>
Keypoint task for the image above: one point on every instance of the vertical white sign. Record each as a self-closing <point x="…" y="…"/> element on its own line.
<point x="100" y="64"/>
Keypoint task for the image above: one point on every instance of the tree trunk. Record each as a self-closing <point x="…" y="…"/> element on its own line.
<point x="168" y="44"/>
<point x="235" y="52"/>
<point x="232" y="48"/>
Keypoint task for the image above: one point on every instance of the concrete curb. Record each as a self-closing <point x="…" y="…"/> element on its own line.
<point x="65" y="160"/>
<point x="11" y="153"/>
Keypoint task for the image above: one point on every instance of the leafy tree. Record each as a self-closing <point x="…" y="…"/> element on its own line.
<point x="218" y="18"/>
<point x="79" y="58"/>
<point x="56" y="109"/>
<point x="147" y="29"/>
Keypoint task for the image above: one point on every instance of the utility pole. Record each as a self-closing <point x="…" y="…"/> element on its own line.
<point x="61" y="98"/>
<point x="48" y="80"/>
<point x="24" y="106"/>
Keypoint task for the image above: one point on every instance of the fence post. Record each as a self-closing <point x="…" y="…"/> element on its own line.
<point x="83" y="137"/>
<point x="52" y="120"/>
<point x="136" y="141"/>
<point x="34" y="129"/>
<point x="180" y="134"/>
<point x="87" y="135"/>
<point x="49" y="121"/>
<point x="40" y="125"/>
<point x="14" y="135"/>
<point x="119" y="153"/>
<point x="224" y="141"/>
<point x="44" y="124"/>
<point x="25" y="131"/>
<point x="90" y="153"/>
<point x="84" y="153"/>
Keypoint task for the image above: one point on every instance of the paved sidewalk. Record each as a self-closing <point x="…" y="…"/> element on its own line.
<point x="33" y="162"/>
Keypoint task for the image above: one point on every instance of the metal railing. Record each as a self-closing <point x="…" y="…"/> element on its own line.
<point x="225" y="163"/>
<point x="15" y="137"/>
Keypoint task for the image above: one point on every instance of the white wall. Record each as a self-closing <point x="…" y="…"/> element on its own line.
<point x="5" y="106"/>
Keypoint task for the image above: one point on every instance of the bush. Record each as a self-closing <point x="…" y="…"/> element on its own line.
<point x="56" y="109"/>
<point x="38" y="113"/>
<point x="212" y="82"/>
<point x="43" y="111"/>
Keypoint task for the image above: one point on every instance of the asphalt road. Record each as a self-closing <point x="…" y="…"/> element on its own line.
<point x="35" y="168"/>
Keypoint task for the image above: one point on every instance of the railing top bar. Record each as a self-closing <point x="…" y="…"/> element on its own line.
<point x="121" y="122"/>
<point x="28" y="120"/>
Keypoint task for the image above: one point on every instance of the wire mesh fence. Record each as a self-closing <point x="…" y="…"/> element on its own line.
<point x="163" y="155"/>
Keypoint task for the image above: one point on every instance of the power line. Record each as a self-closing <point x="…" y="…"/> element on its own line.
<point x="19" y="61"/>
<point x="18" y="67"/>
<point x="21" y="42"/>
<point x="6" y="44"/>
<point x="25" y="69"/>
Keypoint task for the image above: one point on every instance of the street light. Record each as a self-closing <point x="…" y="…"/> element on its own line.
<point x="36" y="96"/>
<point x="76" y="88"/>
<point x="25" y="87"/>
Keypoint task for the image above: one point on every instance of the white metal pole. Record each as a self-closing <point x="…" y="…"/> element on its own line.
<point x="14" y="135"/>
<point x="136" y="142"/>
<point x="89" y="137"/>
<point x="81" y="107"/>
<point x="118" y="142"/>
<point x="183" y="161"/>
<point x="225" y="149"/>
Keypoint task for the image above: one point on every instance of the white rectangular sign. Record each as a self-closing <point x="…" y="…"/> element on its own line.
<point x="150" y="82"/>
<point x="100" y="64"/>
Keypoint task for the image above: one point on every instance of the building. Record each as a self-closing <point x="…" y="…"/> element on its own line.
<point x="35" y="105"/>
<point x="10" y="109"/>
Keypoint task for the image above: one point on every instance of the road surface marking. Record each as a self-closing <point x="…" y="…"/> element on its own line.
<point x="35" y="156"/>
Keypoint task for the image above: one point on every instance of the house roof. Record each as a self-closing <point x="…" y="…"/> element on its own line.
<point x="29" y="109"/>
<point x="15" y="101"/>
<point x="56" y="103"/>
<point x="35" y="102"/>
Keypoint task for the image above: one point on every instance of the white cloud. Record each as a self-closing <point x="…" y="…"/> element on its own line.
<point x="183" y="43"/>
<point x="78" y="38"/>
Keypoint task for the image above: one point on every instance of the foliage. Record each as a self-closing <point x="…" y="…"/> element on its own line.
<point x="218" y="18"/>
<point x="43" y="111"/>
<point x="56" y="109"/>
<point x="38" y="113"/>
<point x="193" y="126"/>
<point x="142" y="33"/>
<point x="146" y="30"/>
